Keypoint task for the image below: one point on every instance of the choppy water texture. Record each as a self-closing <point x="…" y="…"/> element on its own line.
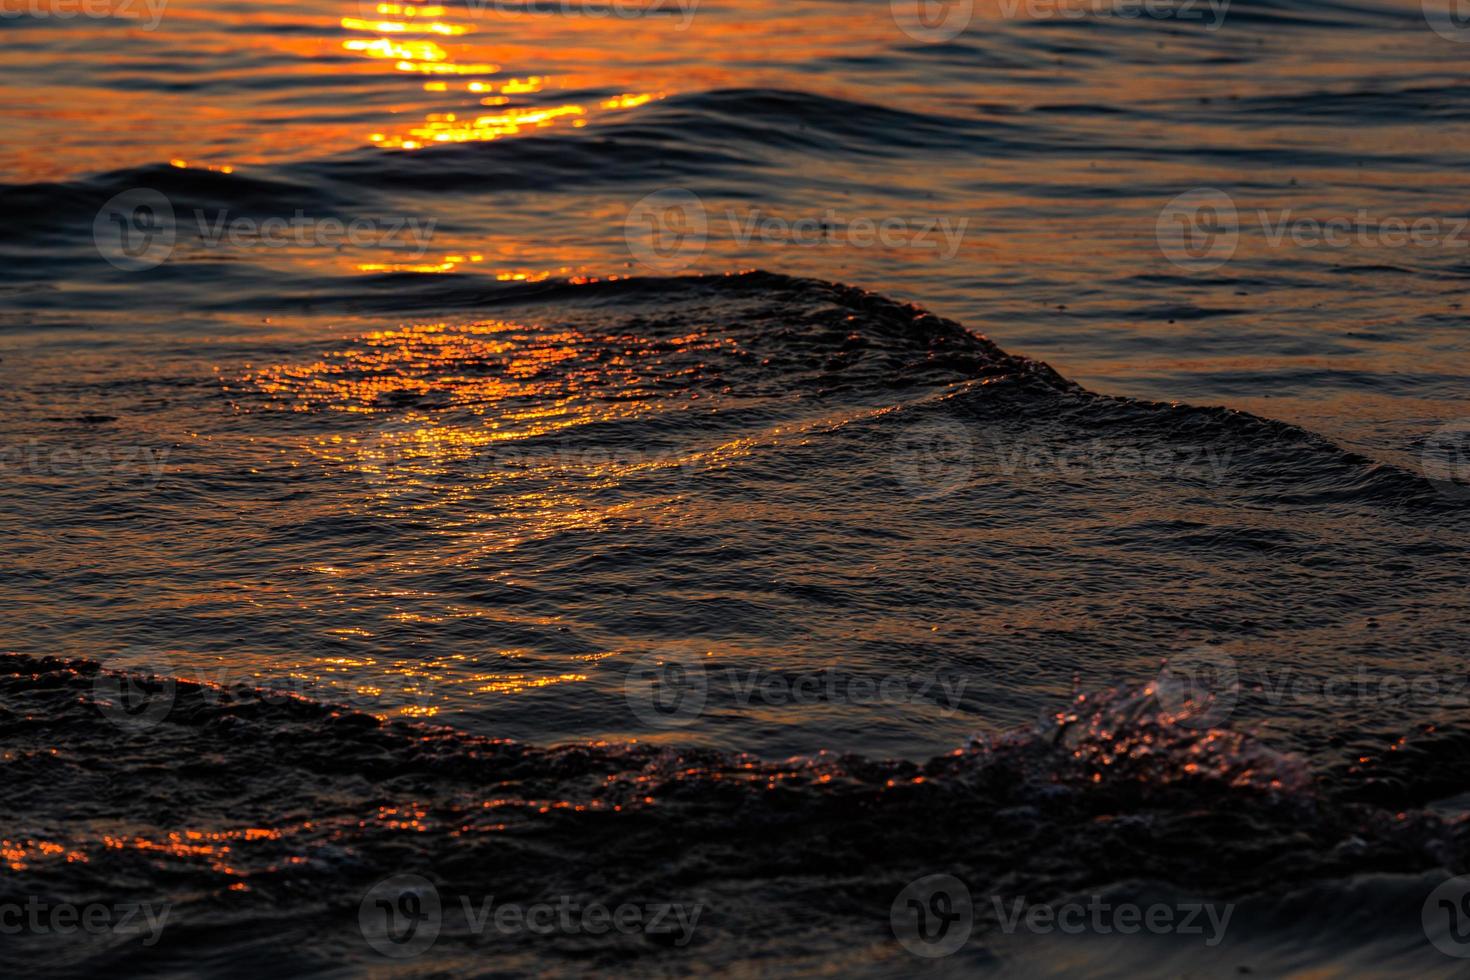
<point x="501" y="557"/>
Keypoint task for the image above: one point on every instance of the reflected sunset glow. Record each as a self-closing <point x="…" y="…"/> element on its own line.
<point x="486" y="482"/>
<point x="427" y="57"/>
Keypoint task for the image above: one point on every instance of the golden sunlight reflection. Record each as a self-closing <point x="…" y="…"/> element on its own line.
<point x="428" y="57"/>
<point x="19" y="855"/>
<point x="385" y="48"/>
<point x="488" y="421"/>
<point x="450" y="128"/>
<point x="418" y="688"/>
<point x="522" y="373"/>
<point x="523" y="86"/>
<point x="377" y="58"/>
<point x="480" y="416"/>
<point x="519" y="683"/>
<point x="396" y="27"/>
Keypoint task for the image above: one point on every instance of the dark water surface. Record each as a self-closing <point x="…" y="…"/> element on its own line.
<point x="788" y="594"/>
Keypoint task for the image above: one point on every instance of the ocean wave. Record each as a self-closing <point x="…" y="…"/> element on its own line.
<point x="860" y="339"/>
<point x="247" y="810"/>
<point x="267" y="817"/>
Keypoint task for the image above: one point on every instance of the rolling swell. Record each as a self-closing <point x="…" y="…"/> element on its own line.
<point x="404" y="481"/>
<point x="265" y="818"/>
<point x="703" y="134"/>
<point x="857" y="339"/>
